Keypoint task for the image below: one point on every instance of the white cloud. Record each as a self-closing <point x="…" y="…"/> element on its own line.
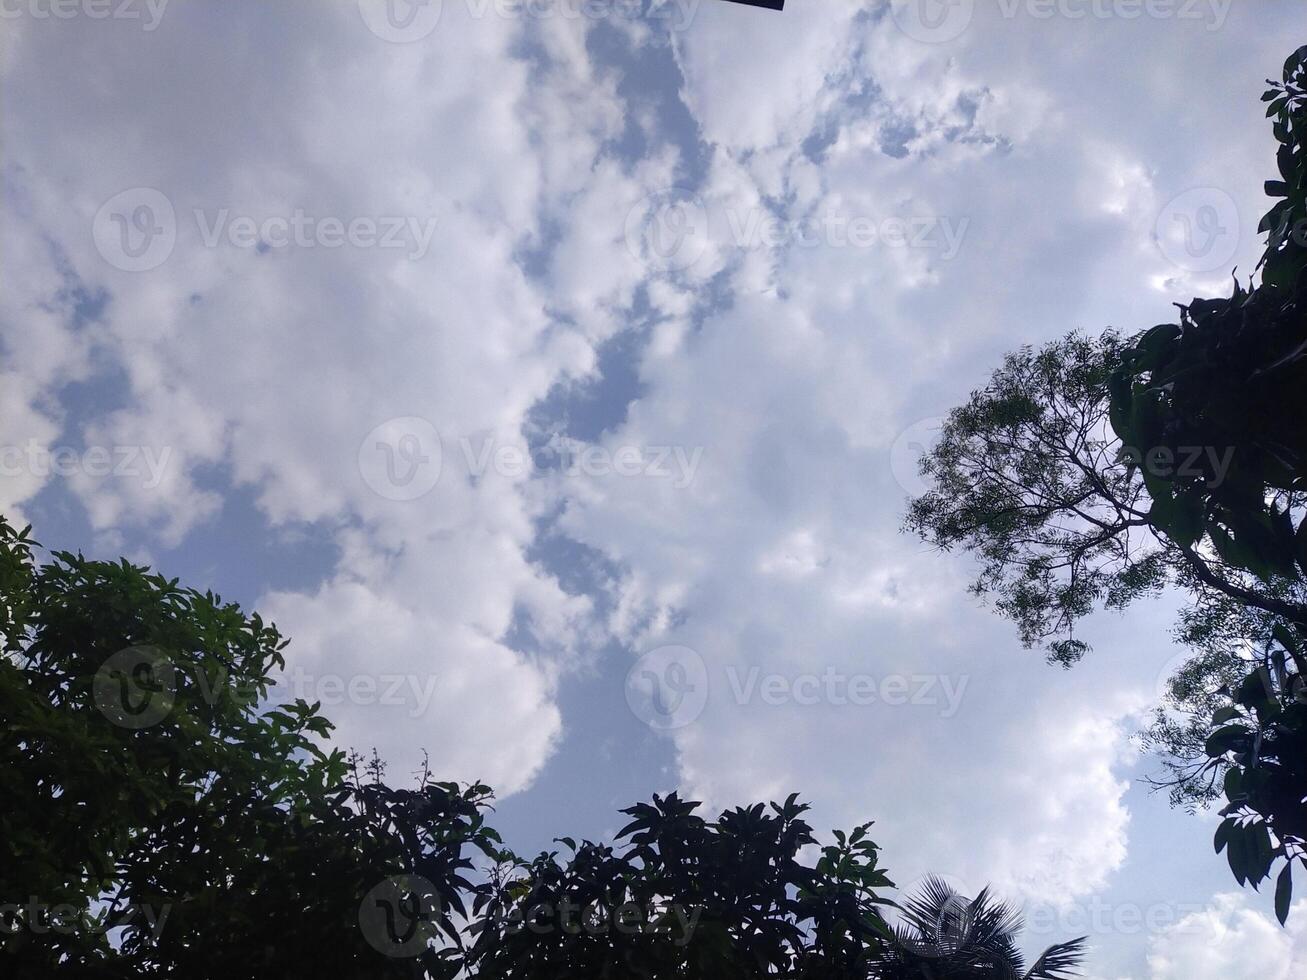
<point x="784" y="554"/>
<point x="1231" y="939"/>
<point x="1047" y="149"/>
<point x="270" y="366"/>
<point x="403" y="680"/>
<point x="40" y="342"/>
<point x="783" y="557"/>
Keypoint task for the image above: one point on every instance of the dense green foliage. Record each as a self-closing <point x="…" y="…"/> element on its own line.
<point x="1098" y="471"/>
<point x="685" y="897"/>
<point x="157" y="819"/>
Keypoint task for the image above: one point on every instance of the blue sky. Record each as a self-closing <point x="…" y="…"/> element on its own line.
<point x="552" y="374"/>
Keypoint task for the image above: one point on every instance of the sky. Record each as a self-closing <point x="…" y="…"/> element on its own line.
<point x="553" y="374"/>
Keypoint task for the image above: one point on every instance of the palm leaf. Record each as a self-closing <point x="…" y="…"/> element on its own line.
<point x="1059" y="962"/>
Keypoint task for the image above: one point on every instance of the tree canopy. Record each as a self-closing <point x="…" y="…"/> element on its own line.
<point x="163" y="818"/>
<point x="1096" y="471"/>
<point x="160" y="818"/>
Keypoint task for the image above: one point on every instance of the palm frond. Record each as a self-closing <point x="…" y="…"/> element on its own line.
<point x="929" y="910"/>
<point x="1059" y="962"/>
<point x="944" y="934"/>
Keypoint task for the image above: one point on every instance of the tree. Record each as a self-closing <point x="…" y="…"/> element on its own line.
<point x="1098" y="471"/>
<point x="1235" y="373"/>
<point x="688" y="897"/>
<point x="163" y="818"/>
<point x="160" y="819"/>
<point x="945" y="936"/>
<point x="1027" y="477"/>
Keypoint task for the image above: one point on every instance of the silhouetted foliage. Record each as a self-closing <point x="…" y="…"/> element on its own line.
<point x="946" y="936"/>
<point x="162" y="818"/>
<point x="1026" y="476"/>
<point x="1098" y="471"/>
<point x="171" y="823"/>
<point x="686" y="897"/>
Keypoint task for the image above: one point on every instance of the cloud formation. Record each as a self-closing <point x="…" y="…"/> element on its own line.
<point x="366" y="271"/>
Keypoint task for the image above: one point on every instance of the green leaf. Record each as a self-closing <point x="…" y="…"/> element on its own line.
<point x="1221" y="715"/>
<point x="1223" y="740"/>
<point x="1186" y="525"/>
<point x="1233" y="783"/>
<point x="1237" y="553"/>
<point x="1284" y="893"/>
<point x="1222" y="837"/>
<point x="1235" y="854"/>
<point x="1300" y="545"/>
<point x="1285" y="638"/>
